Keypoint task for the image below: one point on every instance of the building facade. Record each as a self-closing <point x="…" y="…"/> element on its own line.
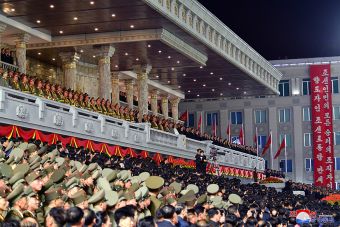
<point x="285" y="115"/>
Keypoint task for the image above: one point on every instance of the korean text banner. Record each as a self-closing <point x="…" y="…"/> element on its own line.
<point x="322" y="125"/>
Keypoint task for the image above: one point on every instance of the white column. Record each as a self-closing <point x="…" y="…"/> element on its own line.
<point x="115" y="88"/>
<point x="165" y="106"/>
<point x="273" y="126"/>
<point x="249" y="129"/>
<point x="129" y="92"/>
<point x="224" y="121"/>
<point x="142" y="72"/>
<point x="154" y="98"/>
<point x="105" y="53"/>
<point x="20" y="45"/>
<point x="174" y="108"/>
<point x="70" y="60"/>
<point x="298" y="146"/>
<point x="2" y="29"/>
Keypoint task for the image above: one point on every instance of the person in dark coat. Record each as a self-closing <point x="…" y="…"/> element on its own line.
<point x="169" y="216"/>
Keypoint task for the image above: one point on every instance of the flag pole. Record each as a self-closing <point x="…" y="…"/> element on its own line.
<point x="271" y="150"/>
<point x="187" y="123"/>
<point x="286" y="155"/>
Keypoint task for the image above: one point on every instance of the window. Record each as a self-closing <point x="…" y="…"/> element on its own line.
<point x="306" y="86"/>
<point x="288" y="140"/>
<point x="335" y="85"/>
<point x="236" y="118"/>
<point x="284" y="87"/>
<point x="336" y="112"/>
<point x="306" y="114"/>
<point x="289" y="165"/>
<point x="336" y="138"/>
<point x="337" y="185"/>
<point x="307" y="139"/>
<point x="309" y="165"/>
<point x="284" y="115"/>
<point x="211" y="117"/>
<point x="191" y="119"/>
<point x="260" y="116"/>
<point x="337" y="164"/>
<point x="235" y="139"/>
<point x="261" y="141"/>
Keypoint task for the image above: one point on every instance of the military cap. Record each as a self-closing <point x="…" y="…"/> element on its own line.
<point x="154" y="182"/>
<point x="134" y="187"/>
<point x="111" y="197"/>
<point x="35" y="166"/>
<point x="78" y="165"/>
<point x="28" y="191"/>
<point x="95" y="174"/>
<point x="20" y="181"/>
<point x="49" y="169"/>
<point x="52" y="194"/>
<point x="202" y="199"/>
<point x="44" y="159"/>
<point x="129" y="195"/>
<point x="72" y="182"/>
<point x="78" y="197"/>
<point x="139" y="194"/>
<point x="60" y="161"/>
<point x="58" y="175"/>
<point x="23" y="168"/>
<point x="216" y="201"/>
<point x="97" y="197"/>
<point x="135" y="180"/>
<point x="109" y="174"/>
<point x="145" y="192"/>
<point x="2" y="154"/>
<point x="16" y="177"/>
<point x="235" y="199"/>
<point x="23" y="146"/>
<point x="92" y="167"/>
<point x="83" y="168"/>
<point x="42" y="150"/>
<point x="16" y="193"/>
<point x="213" y="188"/>
<point x="31" y="147"/>
<point x="9" y="146"/>
<point x="17" y="154"/>
<point x="102" y="183"/>
<point x="143" y="176"/>
<point x="6" y="171"/>
<point x="85" y="175"/>
<point x="176" y="186"/>
<point x="193" y="187"/>
<point x="34" y="159"/>
<point x="10" y="160"/>
<point x="32" y="177"/>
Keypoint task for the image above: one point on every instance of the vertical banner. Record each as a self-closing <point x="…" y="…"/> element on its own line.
<point x="322" y="125"/>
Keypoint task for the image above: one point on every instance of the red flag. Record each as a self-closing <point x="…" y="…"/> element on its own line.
<point x="228" y="131"/>
<point x="241" y="139"/>
<point x="184" y="116"/>
<point x="267" y="146"/>
<point x="213" y="127"/>
<point x="282" y="146"/>
<point x="199" y="123"/>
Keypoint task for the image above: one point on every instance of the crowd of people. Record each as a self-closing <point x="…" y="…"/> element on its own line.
<point x="60" y="185"/>
<point x="8" y="56"/>
<point x="274" y="173"/>
<point x="55" y="92"/>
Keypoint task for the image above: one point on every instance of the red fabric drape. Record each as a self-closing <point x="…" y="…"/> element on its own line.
<point x="130" y="151"/>
<point x="144" y="154"/>
<point x="157" y="158"/>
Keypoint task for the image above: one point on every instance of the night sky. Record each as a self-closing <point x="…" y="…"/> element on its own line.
<point x="279" y="29"/>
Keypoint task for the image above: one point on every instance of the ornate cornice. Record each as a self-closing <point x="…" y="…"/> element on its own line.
<point x="196" y="20"/>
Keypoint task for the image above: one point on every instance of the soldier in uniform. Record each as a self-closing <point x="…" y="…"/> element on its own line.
<point x="4" y="204"/>
<point x="99" y="106"/>
<point x="19" y="203"/>
<point x="24" y="84"/>
<point x="32" y="87"/>
<point x="65" y="97"/>
<point x="93" y="105"/>
<point x="154" y="184"/>
<point x="15" y="82"/>
<point x="40" y="89"/>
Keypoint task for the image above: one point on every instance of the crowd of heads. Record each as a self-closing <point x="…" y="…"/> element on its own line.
<point x="60" y="185"/>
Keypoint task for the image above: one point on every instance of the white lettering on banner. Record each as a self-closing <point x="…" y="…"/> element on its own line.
<point x="326" y="105"/>
<point x="319" y="139"/>
<point x="330" y="185"/>
<point x="327" y="123"/>
<point x="329" y="168"/>
<point x="325" y="97"/>
<point x="317" y="98"/>
<point x="318" y="129"/>
<point x="316" y="79"/>
<point x="328" y="140"/>
<point x="319" y="147"/>
<point x="319" y="157"/>
<point x="318" y="120"/>
<point x="317" y="89"/>
<point x="329" y="176"/>
<point x="327" y="115"/>
<point x="325" y="89"/>
<point x="328" y="132"/>
<point x="320" y="179"/>
<point x="325" y="80"/>
<point x="317" y="108"/>
<point x="329" y="160"/>
<point x="325" y="72"/>
<point x="320" y="169"/>
<point x="329" y="149"/>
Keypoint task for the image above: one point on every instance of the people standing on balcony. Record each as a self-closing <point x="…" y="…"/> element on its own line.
<point x="7" y="56"/>
<point x="15" y="84"/>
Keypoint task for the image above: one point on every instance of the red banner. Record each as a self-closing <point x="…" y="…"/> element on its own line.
<point x="322" y="125"/>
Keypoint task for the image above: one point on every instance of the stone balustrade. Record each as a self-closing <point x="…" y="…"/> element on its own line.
<point x="26" y="110"/>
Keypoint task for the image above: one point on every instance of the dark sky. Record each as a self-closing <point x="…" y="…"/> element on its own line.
<point x="279" y="29"/>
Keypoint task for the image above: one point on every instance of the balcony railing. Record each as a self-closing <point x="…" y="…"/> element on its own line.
<point x="25" y="110"/>
<point x="7" y="66"/>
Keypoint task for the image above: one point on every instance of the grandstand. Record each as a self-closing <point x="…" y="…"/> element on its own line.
<point x="89" y="115"/>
